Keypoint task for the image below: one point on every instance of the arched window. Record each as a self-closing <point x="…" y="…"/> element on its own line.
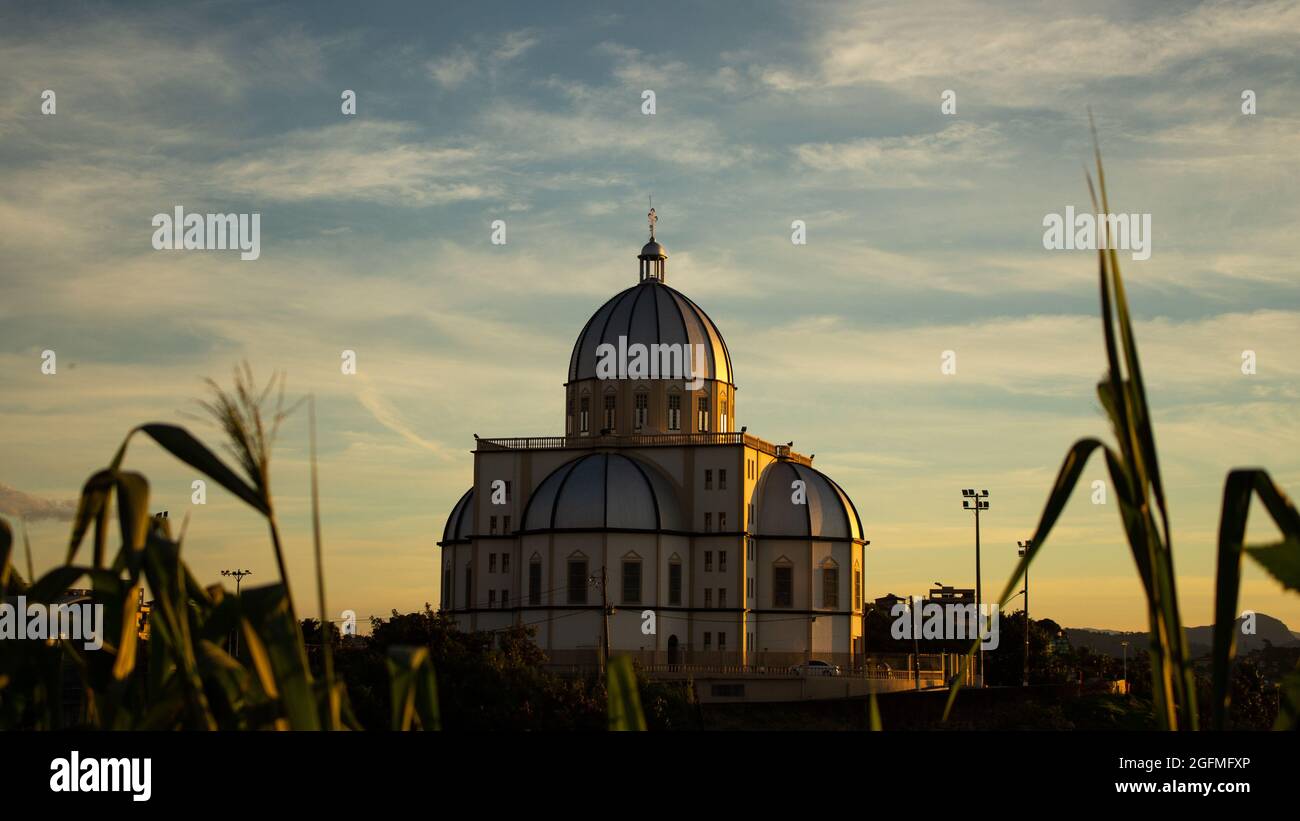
<point x="642" y="415"/>
<point x="611" y="412"/>
<point x="577" y="578"/>
<point x="857" y="586"/>
<point x="830" y="584"/>
<point x="631" y="579"/>
<point x="783" y="583"/>
<point x="535" y="580"/>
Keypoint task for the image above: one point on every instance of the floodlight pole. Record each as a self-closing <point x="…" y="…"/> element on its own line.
<point x="977" y="501"/>
<point x="1024" y="550"/>
<point x="239" y="577"/>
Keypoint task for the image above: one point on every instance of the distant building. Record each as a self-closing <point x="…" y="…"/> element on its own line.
<point x="742" y="551"/>
<point x="951" y="595"/>
<point x="888" y="601"/>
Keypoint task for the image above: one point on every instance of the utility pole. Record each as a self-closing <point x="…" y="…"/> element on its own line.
<point x="1024" y="549"/>
<point x="604" y="618"/>
<point x="604" y="614"/>
<point x="977" y="502"/>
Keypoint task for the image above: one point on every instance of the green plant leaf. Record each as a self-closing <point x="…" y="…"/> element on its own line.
<point x="1281" y="560"/>
<point x="90" y="508"/>
<point x="180" y="443"/>
<point x="6" y="554"/>
<point x="268" y="613"/>
<point x="414" y="689"/>
<point x="623" y="696"/>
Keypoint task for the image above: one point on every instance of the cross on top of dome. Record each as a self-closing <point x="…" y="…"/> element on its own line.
<point x="653" y="256"/>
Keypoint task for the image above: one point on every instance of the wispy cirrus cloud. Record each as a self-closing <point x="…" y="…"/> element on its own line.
<point x="928" y="160"/>
<point x="16" y="503"/>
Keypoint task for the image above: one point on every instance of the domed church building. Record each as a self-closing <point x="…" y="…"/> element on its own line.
<point x="710" y="545"/>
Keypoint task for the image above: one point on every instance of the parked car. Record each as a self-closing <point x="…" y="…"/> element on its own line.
<point x="816" y="668"/>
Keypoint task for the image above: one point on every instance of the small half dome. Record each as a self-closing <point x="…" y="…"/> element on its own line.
<point x="828" y="514"/>
<point x="458" y="523"/>
<point x="603" y="491"/>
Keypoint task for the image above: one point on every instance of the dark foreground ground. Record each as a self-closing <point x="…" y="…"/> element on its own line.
<point x="1055" y="707"/>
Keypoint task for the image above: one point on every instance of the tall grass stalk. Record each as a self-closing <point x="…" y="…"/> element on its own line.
<point x="1135" y="472"/>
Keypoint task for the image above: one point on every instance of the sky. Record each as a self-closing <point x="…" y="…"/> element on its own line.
<point x="924" y="235"/>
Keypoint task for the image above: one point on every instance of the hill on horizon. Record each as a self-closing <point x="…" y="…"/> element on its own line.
<point x="1268" y="630"/>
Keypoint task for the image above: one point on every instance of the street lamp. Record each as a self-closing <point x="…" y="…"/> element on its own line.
<point x="976" y="502"/>
<point x="1025" y="547"/>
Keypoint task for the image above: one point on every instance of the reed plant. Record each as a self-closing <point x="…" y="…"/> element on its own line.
<point x="1134" y="467"/>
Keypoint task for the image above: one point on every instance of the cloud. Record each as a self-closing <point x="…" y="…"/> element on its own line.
<point x="14" y="502"/>
<point x="911" y="161"/>
<point x="452" y="70"/>
<point x="1034" y="55"/>
<point x="386" y="415"/>
<point x="364" y="161"/>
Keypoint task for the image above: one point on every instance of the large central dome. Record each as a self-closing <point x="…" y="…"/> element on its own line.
<point x="651" y="313"/>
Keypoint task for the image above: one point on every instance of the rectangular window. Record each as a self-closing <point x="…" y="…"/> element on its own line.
<point x="783" y="587"/>
<point x="642" y="410"/>
<point x="750" y="547"/>
<point x="631" y="582"/>
<point x="675" y="583"/>
<point x="492" y="598"/>
<point x="568" y="416"/>
<point x="505" y="528"/>
<point x="830" y="587"/>
<point x="577" y="581"/>
<point x="505" y="557"/>
<point x="857" y="589"/>
<point x="535" y="583"/>
<point x="446" y="590"/>
<point x="708" y="640"/>
<point x="722" y="479"/>
<point x="722" y="642"/>
<point x="609" y="412"/>
<point x="704" y="415"/>
<point x="722" y="419"/>
<point x="722" y="523"/>
<point x="708" y="480"/>
<point x="675" y="412"/>
<point x="708" y="597"/>
<point x="492" y="526"/>
<point x="749" y="587"/>
<point x="708" y="560"/>
<point x="722" y="597"/>
<point x="708" y="522"/>
<point x="492" y="557"/>
<point x="505" y="598"/>
<point x="722" y="561"/>
<point x="584" y="417"/>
